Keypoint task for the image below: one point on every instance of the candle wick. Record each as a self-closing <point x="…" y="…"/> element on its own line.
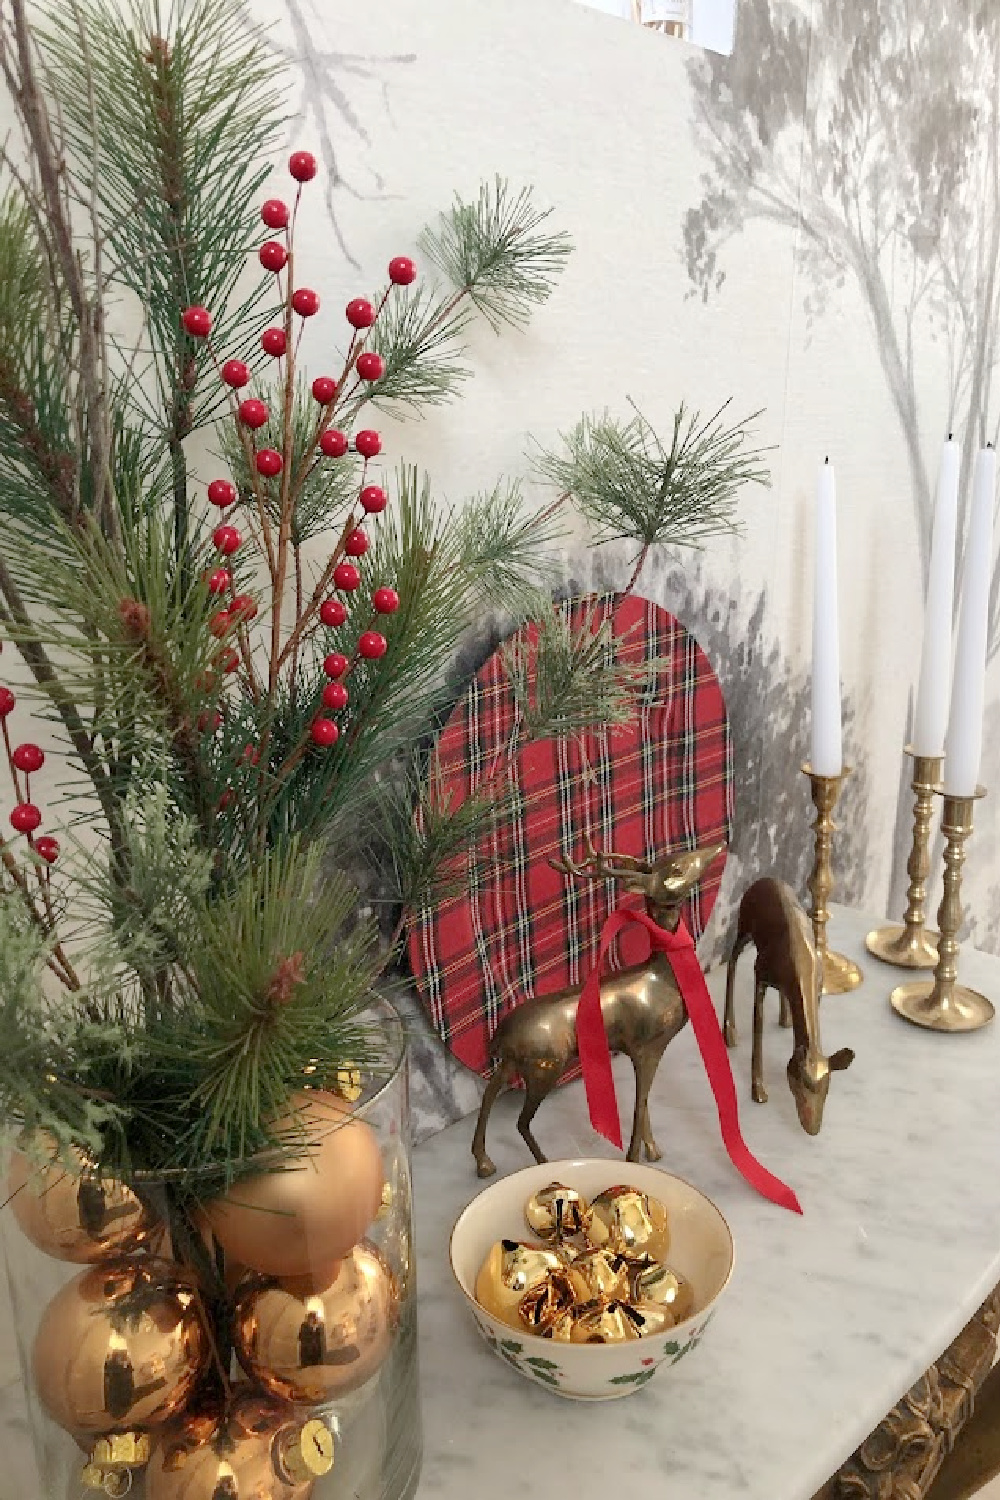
<point x="827" y="459"/>
<point x="951" y="437"/>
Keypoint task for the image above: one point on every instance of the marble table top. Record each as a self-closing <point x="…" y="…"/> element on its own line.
<point x="830" y="1318"/>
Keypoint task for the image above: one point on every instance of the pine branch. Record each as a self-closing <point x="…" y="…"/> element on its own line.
<point x="629" y="484"/>
<point x="418" y="335"/>
<point x="499" y="253"/>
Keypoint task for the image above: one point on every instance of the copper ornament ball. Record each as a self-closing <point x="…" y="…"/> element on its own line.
<point x="309" y="1214"/>
<point x="120" y="1346"/>
<point x="74" y="1215"/>
<point x="239" y="1455"/>
<point x="312" y="1347"/>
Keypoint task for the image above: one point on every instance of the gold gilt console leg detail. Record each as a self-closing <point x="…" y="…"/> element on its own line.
<point x="910" y="1454"/>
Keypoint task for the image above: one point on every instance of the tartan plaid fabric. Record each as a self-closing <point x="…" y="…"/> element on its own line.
<point x="521" y="928"/>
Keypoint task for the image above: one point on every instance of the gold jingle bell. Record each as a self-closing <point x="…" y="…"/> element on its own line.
<point x="653" y="1282"/>
<point x="557" y="1212"/>
<point x="508" y="1273"/>
<point x="597" y="1323"/>
<point x="547" y="1302"/>
<point x="314" y="1346"/>
<point x="240" y="1456"/>
<point x="652" y="1317"/>
<point x="630" y="1223"/>
<point x="121" y="1450"/>
<point x="600" y="1276"/>
<point x="121" y="1345"/>
<point x="113" y="1482"/>
<point x="71" y="1214"/>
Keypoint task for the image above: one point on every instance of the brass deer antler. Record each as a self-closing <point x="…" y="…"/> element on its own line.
<point x="598" y="865"/>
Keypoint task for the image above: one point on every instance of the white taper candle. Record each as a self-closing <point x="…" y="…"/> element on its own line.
<point x="931" y="717"/>
<point x="826" y="748"/>
<point x="964" y="745"/>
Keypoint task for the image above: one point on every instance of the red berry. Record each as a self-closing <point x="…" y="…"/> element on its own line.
<point x="268" y="462"/>
<point x="333" y="613"/>
<point x="324" y="732"/>
<point x="28" y="758"/>
<point x="373" y="498"/>
<point x="336" y="664"/>
<point x="235" y="373"/>
<point x="227" y="539"/>
<point x="302" y="165"/>
<point x="220" y="624"/>
<point x="222" y="493"/>
<point x="25" y="817"/>
<point x="372" y="645"/>
<point x="48" y="848"/>
<point x="253" y="413"/>
<point x="360" y="313"/>
<point x="206" y="682"/>
<point x="368" y="443"/>
<point x="333" y="443"/>
<point x="356" y="544"/>
<point x="272" y="256"/>
<point x="386" y="601"/>
<point x="335" y="695"/>
<point x="218" y="580"/>
<point x="225" y="799"/>
<point x="209" y="723"/>
<point x="305" y="301"/>
<point x="230" y="660"/>
<point x="402" y="270"/>
<point x="370" y="366"/>
<point x="251" y="755"/>
<point x="197" y="321"/>
<point x="324" y="389"/>
<point x="274" y="213"/>
<point x="7" y="702"/>
<point x="273" y="342"/>
<point x="346" y="577"/>
<point x="244" y="607"/>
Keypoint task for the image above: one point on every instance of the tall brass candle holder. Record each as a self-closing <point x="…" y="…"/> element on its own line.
<point x="912" y="946"/>
<point x="840" y="974"/>
<point x="942" y="1004"/>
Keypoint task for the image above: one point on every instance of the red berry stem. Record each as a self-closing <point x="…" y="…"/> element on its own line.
<point x="266" y="540"/>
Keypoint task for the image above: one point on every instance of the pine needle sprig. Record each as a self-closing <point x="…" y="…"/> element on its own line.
<point x="419" y="337"/>
<point x="629" y="484"/>
<point x="566" y="679"/>
<point x="507" y="546"/>
<point x="499" y="252"/>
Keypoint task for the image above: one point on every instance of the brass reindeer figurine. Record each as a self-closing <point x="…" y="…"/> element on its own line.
<point x="641" y="1006"/>
<point x="772" y="919"/>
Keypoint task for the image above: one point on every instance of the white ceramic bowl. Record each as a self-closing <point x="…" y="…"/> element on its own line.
<point x="701" y="1248"/>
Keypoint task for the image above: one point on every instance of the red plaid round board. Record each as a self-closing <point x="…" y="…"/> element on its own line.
<point x="661" y="782"/>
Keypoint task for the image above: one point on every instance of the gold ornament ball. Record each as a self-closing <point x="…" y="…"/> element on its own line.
<point x="654" y="1282"/>
<point x="549" y="1301"/>
<point x="74" y="1214"/>
<point x="597" y="1323"/>
<point x="301" y="1219"/>
<point x="600" y="1276"/>
<point x="508" y="1273"/>
<point x="630" y="1223"/>
<point x="310" y="1347"/>
<point x="557" y="1212"/>
<point x="252" y="1452"/>
<point x="652" y="1317"/>
<point x="121" y="1345"/>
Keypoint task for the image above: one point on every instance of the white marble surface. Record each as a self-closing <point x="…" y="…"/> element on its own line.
<point x="831" y="1317"/>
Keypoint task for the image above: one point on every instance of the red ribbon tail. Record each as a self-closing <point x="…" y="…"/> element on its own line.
<point x="595" y="1054"/>
<point x="708" y="1034"/>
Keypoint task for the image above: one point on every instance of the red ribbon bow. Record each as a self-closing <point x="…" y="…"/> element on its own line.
<point x="595" y="1054"/>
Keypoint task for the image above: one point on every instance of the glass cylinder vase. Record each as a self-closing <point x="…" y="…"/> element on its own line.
<point x="222" y="1352"/>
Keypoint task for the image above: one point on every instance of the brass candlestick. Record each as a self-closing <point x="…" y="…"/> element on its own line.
<point x="840" y="974"/>
<point x="942" y="1004"/>
<point x="912" y="946"/>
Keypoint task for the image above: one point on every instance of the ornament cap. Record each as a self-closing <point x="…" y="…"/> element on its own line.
<point x="304" y="1453"/>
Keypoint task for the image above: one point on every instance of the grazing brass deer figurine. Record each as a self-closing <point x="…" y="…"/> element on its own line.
<point x="772" y="919"/>
<point x="641" y="1006"/>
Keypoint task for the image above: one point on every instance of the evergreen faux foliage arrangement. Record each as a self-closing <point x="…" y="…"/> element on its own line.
<point x="240" y="673"/>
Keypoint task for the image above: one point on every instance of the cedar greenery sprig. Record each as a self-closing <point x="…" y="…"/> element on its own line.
<point x="631" y="485"/>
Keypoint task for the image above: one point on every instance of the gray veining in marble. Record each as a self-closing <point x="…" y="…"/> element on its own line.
<point x="829" y="1319"/>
